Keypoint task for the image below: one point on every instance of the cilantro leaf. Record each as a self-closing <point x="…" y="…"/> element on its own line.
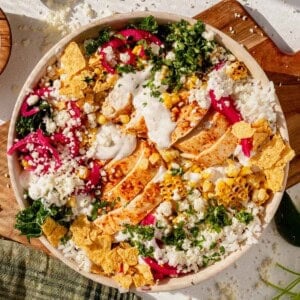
<point x="217" y="217"/>
<point x="244" y="217"/>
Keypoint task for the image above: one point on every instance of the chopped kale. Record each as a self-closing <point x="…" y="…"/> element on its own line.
<point x="91" y="45"/>
<point x="244" y="217"/>
<point x="149" y="24"/>
<point x="26" y="125"/>
<point x="29" y="221"/>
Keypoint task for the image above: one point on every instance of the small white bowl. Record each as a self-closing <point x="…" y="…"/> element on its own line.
<point x="117" y="22"/>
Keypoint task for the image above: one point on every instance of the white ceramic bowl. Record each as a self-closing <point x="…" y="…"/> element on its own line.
<point x="117" y="22"/>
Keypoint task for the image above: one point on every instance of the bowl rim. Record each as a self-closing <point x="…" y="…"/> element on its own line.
<point x="240" y="52"/>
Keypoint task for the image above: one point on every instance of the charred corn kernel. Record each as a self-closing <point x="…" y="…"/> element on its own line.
<point x="191" y="82"/>
<point x="124" y="119"/>
<point x="205" y="175"/>
<point x="83" y="172"/>
<point x="137" y="50"/>
<point x="229" y="181"/>
<point x="59" y="105"/>
<point x="80" y="102"/>
<point x="232" y="170"/>
<point x="210" y="195"/>
<point x="144" y="164"/>
<point x="167" y="100"/>
<point x="97" y="71"/>
<point x="262" y="195"/>
<point x="71" y="202"/>
<point x="207" y="186"/>
<point x="192" y="184"/>
<point x="154" y="158"/>
<point x="237" y="70"/>
<point x="164" y="72"/>
<point x="169" y="155"/>
<point x="245" y="171"/>
<point x="195" y="169"/>
<point x="101" y="120"/>
<point x="175" y="98"/>
<point x="169" y="185"/>
<point x="25" y="163"/>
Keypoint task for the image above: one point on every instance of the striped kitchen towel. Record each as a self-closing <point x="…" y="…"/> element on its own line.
<point x="26" y="273"/>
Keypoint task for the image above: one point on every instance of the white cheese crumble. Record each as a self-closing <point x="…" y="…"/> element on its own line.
<point x="208" y="35"/>
<point x="32" y="99"/>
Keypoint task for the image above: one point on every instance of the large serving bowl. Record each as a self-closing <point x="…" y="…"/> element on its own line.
<point x="117" y="22"/>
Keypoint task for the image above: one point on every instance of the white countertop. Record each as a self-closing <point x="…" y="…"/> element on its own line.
<point x="32" y="38"/>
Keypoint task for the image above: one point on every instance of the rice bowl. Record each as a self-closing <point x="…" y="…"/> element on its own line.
<point x="194" y="226"/>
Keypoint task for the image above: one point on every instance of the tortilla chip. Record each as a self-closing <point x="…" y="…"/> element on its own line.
<point x="97" y="256"/>
<point x="80" y="229"/>
<point x="124" y="280"/>
<point x="270" y="153"/>
<point x="101" y="86"/>
<point x="96" y="269"/>
<point x="112" y="262"/>
<point x="48" y="226"/>
<point x="72" y="59"/>
<point x="286" y="155"/>
<point x="146" y="272"/>
<point x="129" y="256"/>
<point x="242" y="130"/>
<point x="58" y="233"/>
<point x="138" y="280"/>
<point x="275" y="177"/>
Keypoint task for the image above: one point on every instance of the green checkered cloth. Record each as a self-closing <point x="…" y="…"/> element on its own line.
<point x="26" y="273"/>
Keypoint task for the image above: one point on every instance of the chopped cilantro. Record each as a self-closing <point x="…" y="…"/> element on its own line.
<point x="212" y="245"/>
<point x="194" y="231"/>
<point x="143" y="250"/>
<point x="209" y="259"/>
<point x="244" y="217"/>
<point x="145" y="233"/>
<point x="126" y="69"/>
<point x="65" y="239"/>
<point x="176" y="171"/>
<point x="101" y="207"/>
<point x="222" y="250"/>
<point x="88" y="79"/>
<point x="176" y="237"/>
<point x="91" y="45"/>
<point x="217" y="217"/>
<point x="198" y="242"/>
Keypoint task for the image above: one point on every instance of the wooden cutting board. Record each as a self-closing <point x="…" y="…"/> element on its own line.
<point x="5" y="41"/>
<point x="283" y="69"/>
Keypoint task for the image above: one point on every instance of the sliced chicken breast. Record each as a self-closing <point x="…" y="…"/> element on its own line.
<point x="116" y="170"/>
<point x="136" y="180"/>
<point x="133" y="213"/>
<point x="212" y="127"/>
<point x="190" y="116"/>
<point x="218" y="152"/>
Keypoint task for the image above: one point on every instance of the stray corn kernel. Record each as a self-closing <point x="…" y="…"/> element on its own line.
<point x="101" y="120"/>
<point x="82" y="172"/>
<point x="232" y="171"/>
<point x="124" y="119"/>
<point x="154" y="158"/>
<point x="207" y="186"/>
<point x="137" y="50"/>
<point x="71" y="202"/>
